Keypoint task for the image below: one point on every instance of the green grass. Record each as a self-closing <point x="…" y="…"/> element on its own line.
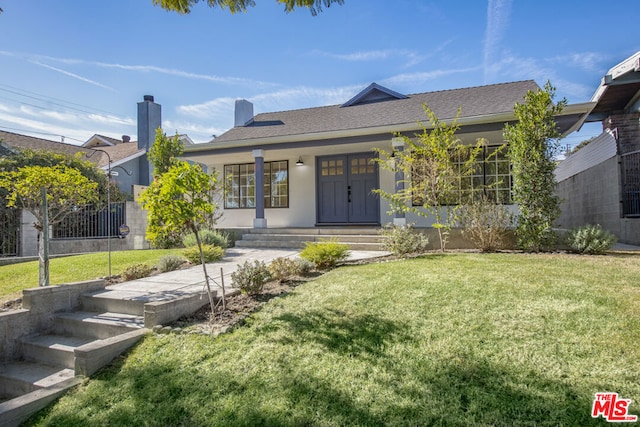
<point x="16" y="277"/>
<point x="460" y="339"/>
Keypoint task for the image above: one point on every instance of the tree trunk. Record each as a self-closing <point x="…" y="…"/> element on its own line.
<point x="204" y="270"/>
<point x="43" y="243"/>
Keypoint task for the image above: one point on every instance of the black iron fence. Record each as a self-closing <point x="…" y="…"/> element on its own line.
<point x="630" y="171"/>
<point x="9" y="231"/>
<point x="88" y="222"/>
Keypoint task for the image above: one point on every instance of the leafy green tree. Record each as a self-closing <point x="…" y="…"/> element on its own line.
<point x="28" y="157"/>
<point x="432" y="173"/>
<point x="66" y="188"/>
<point x="533" y="143"/>
<point x="235" y="6"/>
<point x="180" y="200"/>
<point x="164" y="152"/>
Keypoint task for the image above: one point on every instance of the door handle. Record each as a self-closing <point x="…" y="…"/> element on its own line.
<point x="349" y="194"/>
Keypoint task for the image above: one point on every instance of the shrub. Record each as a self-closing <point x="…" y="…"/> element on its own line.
<point x="303" y="266"/>
<point x="590" y="239"/>
<point x="136" y="271"/>
<point x="485" y="223"/>
<point x="325" y="254"/>
<point x="250" y="278"/>
<point x="403" y="240"/>
<point x="207" y="237"/>
<point x="211" y="254"/>
<point x="170" y="263"/>
<point x="282" y="269"/>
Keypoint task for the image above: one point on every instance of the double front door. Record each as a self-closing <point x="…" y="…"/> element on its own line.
<point x="345" y="183"/>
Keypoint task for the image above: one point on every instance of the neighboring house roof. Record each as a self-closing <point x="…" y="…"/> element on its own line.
<point x="101" y="141"/>
<point x="18" y="141"/>
<point x="389" y="112"/>
<point x="619" y="89"/>
<point x="5" y="150"/>
<point x="119" y="153"/>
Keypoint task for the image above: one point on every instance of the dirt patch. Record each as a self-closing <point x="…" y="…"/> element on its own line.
<point x="12" y="304"/>
<point x="238" y="307"/>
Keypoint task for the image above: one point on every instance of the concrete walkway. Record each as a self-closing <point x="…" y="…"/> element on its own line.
<point x="174" y="284"/>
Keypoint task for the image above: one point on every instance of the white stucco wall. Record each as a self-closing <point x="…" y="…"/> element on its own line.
<point x="302" y="187"/>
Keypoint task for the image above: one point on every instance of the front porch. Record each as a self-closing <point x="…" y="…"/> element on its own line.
<point x="358" y="238"/>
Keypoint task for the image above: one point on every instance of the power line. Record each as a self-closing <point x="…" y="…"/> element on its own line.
<point x="41" y="133"/>
<point x="47" y="99"/>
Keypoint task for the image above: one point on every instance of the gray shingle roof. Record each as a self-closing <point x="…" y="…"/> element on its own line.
<point x="117" y="152"/>
<point x="474" y="101"/>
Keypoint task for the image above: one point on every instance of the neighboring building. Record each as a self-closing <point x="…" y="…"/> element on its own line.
<point x="129" y="166"/>
<point x="600" y="183"/>
<point x="313" y="167"/>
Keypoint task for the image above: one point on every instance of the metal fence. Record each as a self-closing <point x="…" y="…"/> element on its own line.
<point x="9" y="231"/>
<point x="630" y="171"/>
<point x="88" y="222"/>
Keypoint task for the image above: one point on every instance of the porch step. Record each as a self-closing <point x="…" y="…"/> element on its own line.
<point x="357" y="238"/>
<point x="96" y="325"/>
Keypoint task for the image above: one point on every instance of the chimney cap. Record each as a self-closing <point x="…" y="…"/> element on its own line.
<point x="148" y="98"/>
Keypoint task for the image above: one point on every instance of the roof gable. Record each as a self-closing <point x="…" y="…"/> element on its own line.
<point x="373" y="93"/>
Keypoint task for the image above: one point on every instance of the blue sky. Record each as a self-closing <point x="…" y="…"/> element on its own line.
<point x="74" y="69"/>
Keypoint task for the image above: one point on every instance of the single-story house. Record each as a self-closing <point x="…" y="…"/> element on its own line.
<point x="313" y="167"/>
<point x="600" y="183"/>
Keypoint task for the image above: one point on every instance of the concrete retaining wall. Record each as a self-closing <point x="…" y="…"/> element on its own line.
<point x="39" y="306"/>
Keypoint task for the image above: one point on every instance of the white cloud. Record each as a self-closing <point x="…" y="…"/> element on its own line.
<point x="73" y="75"/>
<point x="497" y="21"/>
<point x="412" y="79"/>
<point x="587" y="61"/>
<point x="513" y="67"/>
<point x="217" y="107"/>
<point x="408" y="57"/>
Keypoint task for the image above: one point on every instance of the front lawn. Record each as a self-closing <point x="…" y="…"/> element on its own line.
<point x="456" y="339"/>
<point x="16" y="277"/>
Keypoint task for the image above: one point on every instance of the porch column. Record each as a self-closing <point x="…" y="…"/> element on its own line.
<point x="259" y="221"/>
<point x="398" y="217"/>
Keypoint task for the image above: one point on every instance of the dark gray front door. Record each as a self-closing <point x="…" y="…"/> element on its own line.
<point x="345" y="183"/>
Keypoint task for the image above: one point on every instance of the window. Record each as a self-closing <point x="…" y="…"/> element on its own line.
<point x="491" y="175"/>
<point x="240" y="185"/>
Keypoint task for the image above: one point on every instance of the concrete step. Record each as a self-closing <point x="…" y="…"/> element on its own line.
<point x="299" y="245"/>
<point x="104" y="301"/>
<point x="54" y="350"/>
<point x="23" y="377"/>
<point x="352" y="238"/>
<point x="317" y="230"/>
<point x="96" y="325"/>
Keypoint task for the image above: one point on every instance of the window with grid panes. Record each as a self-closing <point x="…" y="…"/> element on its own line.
<point x="240" y="185"/>
<point x="491" y="175"/>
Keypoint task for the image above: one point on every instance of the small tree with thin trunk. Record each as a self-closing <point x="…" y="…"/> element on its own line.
<point x="433" y="164"/>
<point x="533" y="143"/>
<point x="66" y="188"/>
<point x="181" y="199"/>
